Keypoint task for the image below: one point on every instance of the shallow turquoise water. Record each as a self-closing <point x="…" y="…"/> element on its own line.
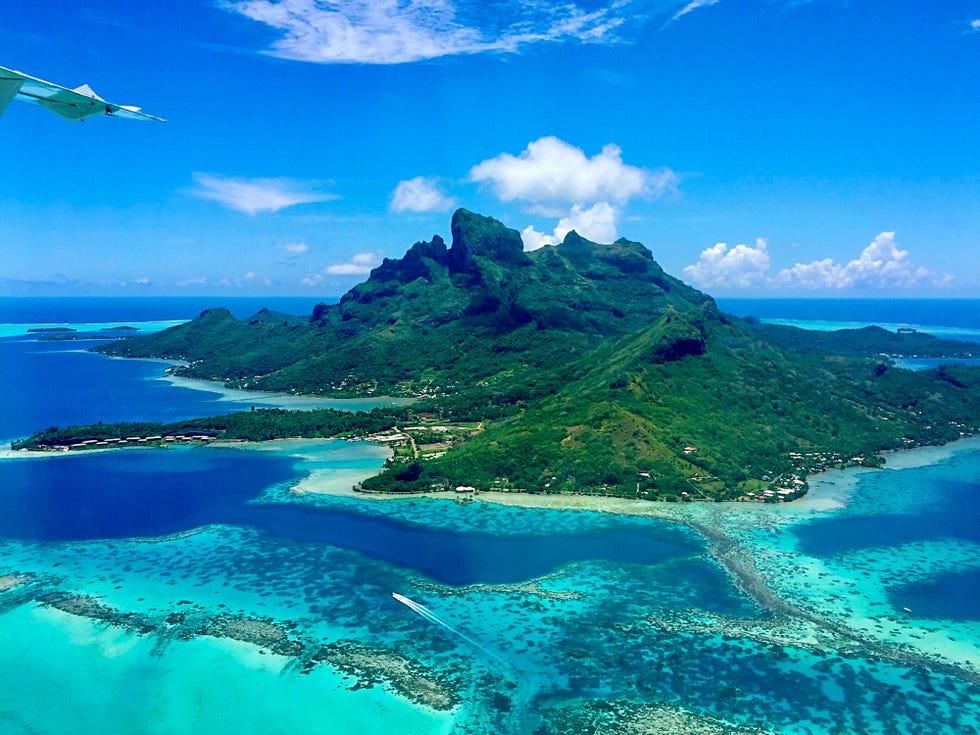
<point x="672" y="633"/>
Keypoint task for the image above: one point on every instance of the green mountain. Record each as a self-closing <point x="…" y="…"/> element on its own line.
<point x="481" y="313"/>
<point x="593" y="370"/>
<point x="698" y="405"/>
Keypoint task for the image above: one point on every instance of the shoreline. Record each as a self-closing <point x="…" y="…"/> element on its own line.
<point x="828" y="489"/>
<point x="277" y="399"/>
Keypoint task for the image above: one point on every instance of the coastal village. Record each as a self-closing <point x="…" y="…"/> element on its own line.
<point x="429" y="438"/>
<point x="122" y="441"/>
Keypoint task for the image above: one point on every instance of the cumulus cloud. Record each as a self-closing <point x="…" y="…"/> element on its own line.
<point x="296" y="248"/>
<point x="359" y="265"/>
<point x="403" y="31"/>
<point x="555" y="178"/>
<point x="550" y="170"/>
<point x="974" y="26"/>
<point x="690" y="7"/>
<point x="742" y="266"/>
<point x="253" y="196"/>
<point x="419" y="195"/>
<point x="881" y="265"/>
<point x="596" y="223"/>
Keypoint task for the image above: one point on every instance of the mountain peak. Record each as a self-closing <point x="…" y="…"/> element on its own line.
<point x="477" y="236"/>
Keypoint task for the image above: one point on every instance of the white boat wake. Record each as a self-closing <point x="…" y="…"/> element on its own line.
<point x="526" y="683"/>
<point x="424" y="612"/>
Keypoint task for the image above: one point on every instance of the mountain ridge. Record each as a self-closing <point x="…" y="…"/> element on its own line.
<point x="394" y="332"/>
<point x="590" y="368"/>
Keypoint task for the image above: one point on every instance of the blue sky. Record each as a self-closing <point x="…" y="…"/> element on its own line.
<point x="758" y="147"/>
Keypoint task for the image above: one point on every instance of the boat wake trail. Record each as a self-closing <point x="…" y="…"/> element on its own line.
<point x="426" y="613"/>
<point x="526" y="684"/>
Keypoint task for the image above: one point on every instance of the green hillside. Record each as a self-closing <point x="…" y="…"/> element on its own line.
<point x="697" y="405"/>
<point x="591" y="370"/>
<point x="437" y="321"/>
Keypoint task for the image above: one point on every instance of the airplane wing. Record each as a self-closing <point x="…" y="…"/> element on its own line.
<point x="76" y="104"/>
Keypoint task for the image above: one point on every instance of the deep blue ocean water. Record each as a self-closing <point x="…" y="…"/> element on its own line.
<point x="912" y="506"/>
<point x="60" y="384"/>
<point x="148" y="493"/>
<point x="952" y="511"/>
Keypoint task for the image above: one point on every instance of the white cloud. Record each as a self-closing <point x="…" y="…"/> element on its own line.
<point x="596" y="223"/>
<point x="419" y="195"/>
<point x="253" y="196"/>
<point x="359" y="265"/>
<point x="312" y="280"/>
<point x="402" y="31"/>
<point x="558" y="179"/>
<point x="690" y="7"/>
<point x="201" y="281"/>
<point x="974" y="26"/>
<point x="143" y="281"/>
<point x="742" y="266"/>
<point x="551" y="171"/>
<point x="881" y="265"/>
<point x="296" y="248"/>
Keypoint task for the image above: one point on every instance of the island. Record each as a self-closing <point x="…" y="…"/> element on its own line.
<point x="576" y="368"/>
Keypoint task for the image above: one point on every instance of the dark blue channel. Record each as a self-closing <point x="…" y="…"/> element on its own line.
<point x="150" y="493"/>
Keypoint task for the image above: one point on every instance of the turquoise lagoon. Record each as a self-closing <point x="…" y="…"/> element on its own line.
<point x="206" y="595"/>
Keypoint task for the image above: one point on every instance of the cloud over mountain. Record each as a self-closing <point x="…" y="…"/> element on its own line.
<point x="597" y="223"/>
<point x="551" y="171"/>
<point x="555" y="178"/>
<point x="420" y="194"/>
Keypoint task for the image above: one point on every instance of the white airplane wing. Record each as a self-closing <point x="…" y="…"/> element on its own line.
<point x="76" y="104"/>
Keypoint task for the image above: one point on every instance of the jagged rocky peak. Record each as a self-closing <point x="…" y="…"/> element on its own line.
<point x="626" y="255"/>
<point x="415" y="264"/>
<point x="477" y="236"/>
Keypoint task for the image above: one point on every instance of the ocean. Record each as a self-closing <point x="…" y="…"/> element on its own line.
<point x="195" y="590"/>
<point x="956" y="319"/>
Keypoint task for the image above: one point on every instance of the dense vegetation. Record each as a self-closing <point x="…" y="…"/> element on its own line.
<point x="262" y="424"/>
<point x="861" y="342"/>
<point x="697" y="406"/>
<point x="589" y="368"/>
<point x="438" y="321"/>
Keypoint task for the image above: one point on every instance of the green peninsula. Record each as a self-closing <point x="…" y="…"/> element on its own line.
<point x="587" y="369"/>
